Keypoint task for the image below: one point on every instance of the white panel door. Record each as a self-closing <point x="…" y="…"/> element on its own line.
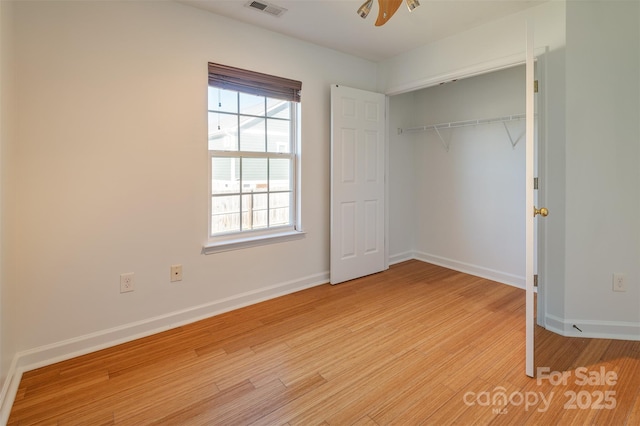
<point x="358" y="128"/>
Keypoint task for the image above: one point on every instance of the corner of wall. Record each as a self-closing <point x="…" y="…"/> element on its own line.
<point x="618" y="330"/>
<point x="9" y="390"/>
<point x="8" y="376"/>
<point x="5" y="75"/>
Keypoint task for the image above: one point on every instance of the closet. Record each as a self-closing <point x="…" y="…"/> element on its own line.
<point x="457" y="175"/>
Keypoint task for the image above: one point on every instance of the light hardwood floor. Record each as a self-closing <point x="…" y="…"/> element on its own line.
<point x="418" y="344"/>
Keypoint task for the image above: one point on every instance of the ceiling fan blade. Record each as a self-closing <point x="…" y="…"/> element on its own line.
<point x="386" y="10"/>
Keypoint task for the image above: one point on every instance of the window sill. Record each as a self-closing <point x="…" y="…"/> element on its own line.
<point x="253" y="241"/>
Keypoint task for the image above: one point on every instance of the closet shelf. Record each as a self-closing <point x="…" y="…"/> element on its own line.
<point x="455" y="124"/>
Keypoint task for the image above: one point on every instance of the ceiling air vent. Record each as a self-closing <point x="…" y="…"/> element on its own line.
<point x="264" y="7"/>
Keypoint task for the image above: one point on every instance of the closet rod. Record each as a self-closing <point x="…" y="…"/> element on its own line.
<point x="454" y="124"/>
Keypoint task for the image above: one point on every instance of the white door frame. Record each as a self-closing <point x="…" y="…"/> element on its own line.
<point x="529" y="194"/>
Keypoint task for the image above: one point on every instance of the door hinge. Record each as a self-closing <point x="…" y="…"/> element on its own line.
<point x="535" y="86"/>
<point x="535" y="183"/>
<point x="535" y="280"/>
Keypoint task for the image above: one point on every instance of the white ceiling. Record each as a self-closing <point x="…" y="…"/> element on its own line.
<point x="336" y="24"/>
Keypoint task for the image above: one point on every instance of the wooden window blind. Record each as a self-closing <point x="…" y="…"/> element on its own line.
<point x="255" y="83"/>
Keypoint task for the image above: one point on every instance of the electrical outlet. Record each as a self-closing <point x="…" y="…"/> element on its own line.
<point x="126" y="282"/>
<point x="176" y="273"/>
<point x="619" y="282"/>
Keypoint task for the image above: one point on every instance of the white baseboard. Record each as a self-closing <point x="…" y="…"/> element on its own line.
<point x="81" y="345"/>
<point x="467" y="268"/>
<point x="9" y="390"/>
<point x="401" y="257"/>
<point x="619" y="330"/>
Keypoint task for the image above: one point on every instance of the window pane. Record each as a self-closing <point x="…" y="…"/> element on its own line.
<point x="252" y="105"/>
<point x="278" y="108"/>
<point x="252" y="134"/>
<point x="278" y="138"/>
<point x="225" y="214"/>
<point x="225" y="175"/>
<point x="279" y="205"/>
<point x="279" y="174"/>
<point x="254" y="211"/>
<point x="254" y="175"/>
<point x="225" y="204"/>
<point x="223" y="100"/>
<point x="223" y="132"/>
<point x="224" y="223"/>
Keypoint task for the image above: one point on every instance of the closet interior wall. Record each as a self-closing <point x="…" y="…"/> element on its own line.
<point x="463" y="207"/>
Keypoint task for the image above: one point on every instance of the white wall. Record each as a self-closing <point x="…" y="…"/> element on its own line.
<point x="603" y="177"/>
<point x="470" y="199"/>
<point x="402" y="185"/>
<point x="111" y="170"/>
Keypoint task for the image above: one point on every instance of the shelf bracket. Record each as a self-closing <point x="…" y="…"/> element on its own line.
<point x="444" y="143"/>
<point x="513" y="143"/>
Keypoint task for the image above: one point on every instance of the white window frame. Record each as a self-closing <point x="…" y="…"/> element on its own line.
<point x="251" y="238"/>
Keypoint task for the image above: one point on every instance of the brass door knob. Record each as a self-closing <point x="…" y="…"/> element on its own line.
<point x="542" y="212"/>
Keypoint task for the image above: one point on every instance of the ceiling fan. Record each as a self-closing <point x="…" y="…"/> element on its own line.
<point x="386" y="9"/>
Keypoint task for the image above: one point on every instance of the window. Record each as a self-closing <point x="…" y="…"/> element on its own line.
<point x="253" y="122"/>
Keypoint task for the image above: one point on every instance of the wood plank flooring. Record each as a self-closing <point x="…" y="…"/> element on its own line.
<point x="418" y="344"/>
